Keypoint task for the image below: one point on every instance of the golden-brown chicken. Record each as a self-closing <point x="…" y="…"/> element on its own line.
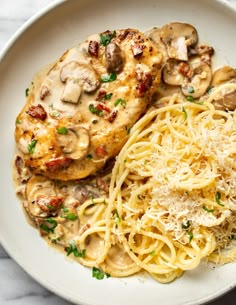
<point x="79" y="113"/>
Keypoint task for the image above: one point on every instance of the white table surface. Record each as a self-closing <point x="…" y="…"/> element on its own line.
<point x="17" y="287"/>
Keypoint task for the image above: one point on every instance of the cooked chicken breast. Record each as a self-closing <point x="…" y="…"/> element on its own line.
<point x="79" y="113"/>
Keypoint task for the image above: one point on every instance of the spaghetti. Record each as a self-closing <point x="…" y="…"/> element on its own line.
<point x="172" y="195"/>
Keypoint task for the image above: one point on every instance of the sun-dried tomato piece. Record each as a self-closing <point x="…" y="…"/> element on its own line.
<point x="37" y="112"/>
<point x="93" y="48"/>
<point x="48" y="203"/>
<point x="101" y="151"/>
<point x="58" y="163"/>
<point x="111" y="117"/>
<point x="137" y="50"/>
<point x="145" y="84"/>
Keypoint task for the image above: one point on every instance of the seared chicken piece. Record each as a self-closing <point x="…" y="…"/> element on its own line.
<point x="79" y="113"/>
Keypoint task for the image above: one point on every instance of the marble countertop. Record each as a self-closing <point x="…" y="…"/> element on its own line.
<point x="17" y="287"/>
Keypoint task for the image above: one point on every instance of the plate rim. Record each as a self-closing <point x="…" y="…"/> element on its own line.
<point x="226" y="4"/>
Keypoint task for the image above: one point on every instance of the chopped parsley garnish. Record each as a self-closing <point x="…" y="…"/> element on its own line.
<point x="190" y="89"/>
<point x="27" y="92"/>
<point x="31" y="146"/>
<point x="50" y="207"/>
<point x="210" y="89"/>
<point x="108" y="78"/>
<point x="89" y="156"/>
<point x="108" y="96"/>
<point x="73" y="249"/>
<point x="153" y="253"/>
<point x="208" y="210"/>
<point x="185" y="113"/>
<point x="65" y="210"/>
<point x="117" y="216"/>
<point x="218" y="197"/>
<point x="70" y="216"/>
<point x="49" y="226"/>
<point x="99" y="274"/>
<point x="128" y="130"/>
<point x="55" y="114"/>
<point x="18" y="121"/>
<point x="106" y="38"/>
<point x="94" y="110"/>
<point x="62" y="130"/>
<point x="190" y="98"/>
<point x="190" y="236"/>
<point x="187" y="225"/>
<point x="120" y="101"/>
<point x="94" y="121"/>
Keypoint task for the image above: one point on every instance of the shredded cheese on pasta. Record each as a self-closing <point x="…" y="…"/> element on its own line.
<point x="172" y="194"/>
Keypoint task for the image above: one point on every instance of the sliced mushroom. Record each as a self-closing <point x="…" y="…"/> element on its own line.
<point x="114" y="58"/>
<point x="74" y="142"/>
<point x="225" y="99"/>
<point x="198" y="84"/>
<point x="171" y="74"/>
<point x="77" y="76"/>
<point x="83" y="192"/>
<point x="178" y="37"/>
<point x="223" y="75"/>
<point x="42" y="197"/>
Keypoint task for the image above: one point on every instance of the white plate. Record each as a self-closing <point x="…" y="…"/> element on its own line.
<point x="40" y="41"/>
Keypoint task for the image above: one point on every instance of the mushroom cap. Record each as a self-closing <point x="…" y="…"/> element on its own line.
<point x="200" y="81"/>
<point x="224" y="99"/>
<point x="223" y="75"/>
<point x="81" y="73"/>
<point x="42" y="197"/>
<point x="177" y="37"/>
<point x="75" y="142"/>
<point x="171" y="74"/>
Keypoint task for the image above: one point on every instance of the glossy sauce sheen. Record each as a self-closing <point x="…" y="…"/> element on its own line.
<point x="104" y="131"/>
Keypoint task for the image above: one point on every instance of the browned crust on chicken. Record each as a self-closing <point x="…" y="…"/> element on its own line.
<point x="78" y="114"/>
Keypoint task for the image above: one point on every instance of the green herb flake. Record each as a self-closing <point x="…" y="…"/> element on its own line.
<point x="108" y="78"/>
<point x="49" y="226"/>
<point x="31" y="146"/>
<point x="65" y="210"/>
<point x="94" y="121"/>
<point x="128" y="130"/>
<point x="70" y="216"/>
<point x="218" y="197"/>
<point x="108" y="96"/>
<point x="152" y="253"/>
<point x="185" y="113"/>
<point x="117" y="216"/>
<point x="50" y="207"/>
<point x="89" y="156"/>
<point x="73" y="249"/>
<point x="187" y="225"/>
<point x="94" y="110"/>
<point x="99" y="274"/>
<point x="120" y="101"/>
<point x="62" y="130"/>
<point x="190" y="89"/>
<point x="106" y="38"/>
<point x="190" y="98"/>
<point x="208" y="210"/>
<point x="27" y="92"/>
<point x="210" y="89"/>
<point x="18" y="121"/>
<point x="190" y="234"/>
<point x="55" y="114"/>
